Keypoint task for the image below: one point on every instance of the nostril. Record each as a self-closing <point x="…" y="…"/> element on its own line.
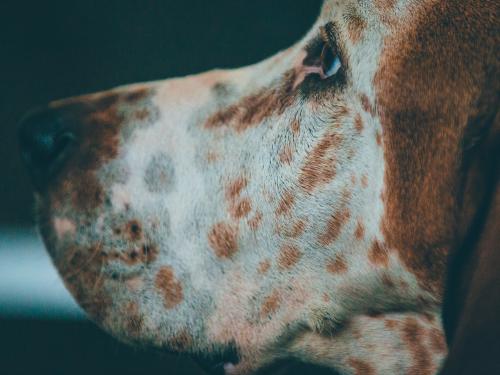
<point x="44" y="141"/>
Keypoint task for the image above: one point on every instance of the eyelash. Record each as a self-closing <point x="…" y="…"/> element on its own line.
<point x="328" y="62"/>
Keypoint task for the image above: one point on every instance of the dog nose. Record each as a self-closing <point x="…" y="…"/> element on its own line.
<point x="45" y="142"/>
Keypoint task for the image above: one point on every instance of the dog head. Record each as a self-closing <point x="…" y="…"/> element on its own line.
<point x="289" y="208"/>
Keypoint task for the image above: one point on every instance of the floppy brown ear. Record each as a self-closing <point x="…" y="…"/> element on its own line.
<point x="471" y="311"/>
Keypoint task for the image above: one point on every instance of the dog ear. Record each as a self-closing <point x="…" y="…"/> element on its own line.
<point x="471" y="310"/>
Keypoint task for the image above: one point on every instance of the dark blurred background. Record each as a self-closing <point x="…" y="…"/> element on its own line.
<point x="55" y="49"/>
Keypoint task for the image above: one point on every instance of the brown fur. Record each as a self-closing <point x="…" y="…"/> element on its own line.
<point x="223" y="239"/>
<point x="169" y="286"/>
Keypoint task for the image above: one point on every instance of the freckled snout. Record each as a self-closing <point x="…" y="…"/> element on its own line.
<point x="45" y="142"/>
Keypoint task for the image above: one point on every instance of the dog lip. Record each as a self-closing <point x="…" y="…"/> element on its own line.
<point x="218" y="364"/>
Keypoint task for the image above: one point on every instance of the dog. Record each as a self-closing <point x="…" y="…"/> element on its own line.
<point x="303" y="207"/>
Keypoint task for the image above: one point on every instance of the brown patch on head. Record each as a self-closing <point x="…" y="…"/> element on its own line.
<point x="367" y="105"/>
<point x="378" y="138"/>
<point x="427" y="108"/>
<point x="289" y="256"/>
<point x="286" y="155"/>
<point x="240" y="209"/>
<point x="334" y="226"/>
<point x="134" y="320"/>
<point x="180" y="342"/>
<point x="255" y="221"/>
<point x="438" y="344"/>
<point x="391" y="324"/>
<point x="384" y="6"/>
<point x="223" y="239"/>
<point x="320" y="165"/>
<point x="85" y="196"/>
<point x="364" y="181"/>
<point x="264" y="267"/>
<point x="359" y="233"/>
<point x="271" y="304"/>
<point x="358" y="123"/>
<point x="136" y="95"/>
<point x="360" y="367"/>
<point x="356" y="25"/>
<point x="134" y="230"/>
<point x="378" y="255"/>
<point x="254" y="109"/>
<point x="212" y="157"/>
<point x="169" y="286"/>
<point x="295" y="126"/>
<point x="295" y="231"/>
<point x="337" y="265"/>
<point x="234" y="188"/>
<point x="286" y="203"/>
<point x="97" y="122"/>
<point x="413" y="336"/>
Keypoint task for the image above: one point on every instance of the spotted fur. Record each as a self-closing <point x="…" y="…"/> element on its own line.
<point x="263" y="208"/>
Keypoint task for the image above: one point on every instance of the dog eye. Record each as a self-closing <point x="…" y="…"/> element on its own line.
<point x="330" y="62"/>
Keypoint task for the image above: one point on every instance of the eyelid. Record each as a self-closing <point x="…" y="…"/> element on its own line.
<point x="329" y="36"/>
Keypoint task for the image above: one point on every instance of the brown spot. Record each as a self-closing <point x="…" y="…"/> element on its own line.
<point x="134" y="230"/>
<point x="212" y="157"/>
<point x="137" y="95"/>
<point x="387" y="281"/>
<point x="264" y="266"/>
<point x="271" y="304"/>
<point x="237" y="208"/>
<point x="367" y="105"/>
<point x="100" y="124"/>
<point x="384" y="6"/>
<point x="413" y="337"/>
<point x="180" y="342"/>
<point x="223" y="240"/>
<point x="86" y="196"/>
<point x="326" y="298"/>
<point x="142" y="114"/>
<point x="255" y="221"/>
<point x="378" y="255"/>
<point x="296" y="230"/>
<point x="286" y="203"/>
<point x="169" y="286"/>
<point x="253" y="109"/>
<point x="320" y="164"/>
<point x="359" y="233"/>
<point x="436" y="338"/>
<point x="358" y="123"/>
<point x="149" y="252"/>
<point x="334" y="226"/>
<point x="355" y="27"/>
<point x="289" y="256"/>
<point x="360" y="367"/>
<point x="295" y="126"/>
<point x="353" y="179"/>
<point x="286" y="155"/>
<point x="364" y="181"/>
<point x="234" y="188"/>
<point x="134" y="320"/>
<point x="240" y="209"/>
<point x="378" y="138"/>
<point x="337" y="265"/>
<point x="391" y="324"/>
